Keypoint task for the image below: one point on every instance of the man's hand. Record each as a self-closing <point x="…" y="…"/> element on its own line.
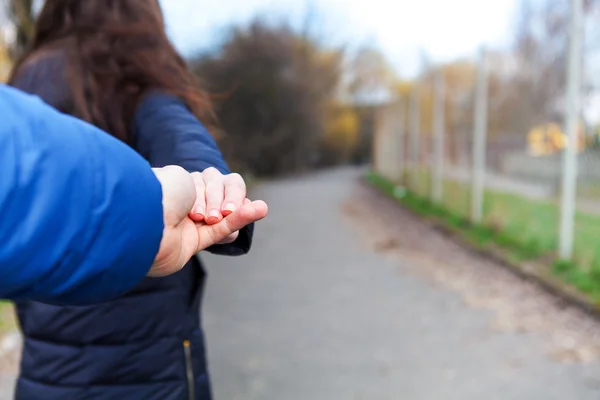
<point x="184" y="237"/>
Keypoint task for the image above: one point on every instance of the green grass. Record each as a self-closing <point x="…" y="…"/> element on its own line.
<point x="7" y="317"/>
<point x="588" y="190"/>
<point x="526" y="228"/>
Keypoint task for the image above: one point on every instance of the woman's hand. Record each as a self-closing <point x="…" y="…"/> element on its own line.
<point x="184" y="237"/>
<point x="217" y="196"/>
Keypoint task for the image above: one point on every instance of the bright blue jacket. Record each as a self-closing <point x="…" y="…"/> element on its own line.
<point x="75" y="229"/>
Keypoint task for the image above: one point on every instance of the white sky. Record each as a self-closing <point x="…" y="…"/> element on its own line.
<point x="445" y="29"/>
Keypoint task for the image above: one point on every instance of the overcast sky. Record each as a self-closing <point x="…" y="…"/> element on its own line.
<point x="445" y="29"/>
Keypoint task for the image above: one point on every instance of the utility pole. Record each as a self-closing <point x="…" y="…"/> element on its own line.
<point x="573" y="108"/>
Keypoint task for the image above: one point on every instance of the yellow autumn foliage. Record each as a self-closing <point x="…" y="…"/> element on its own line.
<point x="342" y="131"/>
<point x="5" y="60"/>
<point x="549" y="139"/>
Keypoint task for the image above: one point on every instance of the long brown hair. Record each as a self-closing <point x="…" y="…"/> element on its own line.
<point x="116" y="51"/>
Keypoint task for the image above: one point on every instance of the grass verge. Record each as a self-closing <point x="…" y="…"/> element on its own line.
<point x="7" y="317"/>
<point x="525" y="230"/>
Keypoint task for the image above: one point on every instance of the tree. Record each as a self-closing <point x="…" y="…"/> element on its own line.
<point x="367" y="83"/>
<point x="5" y="61"/>
<point x="369" y="73"/>
<point x="22" y="17"/>
<point x="341" y="135"/>
<point x="274" y="86"/>
<point x="534" y="84"/>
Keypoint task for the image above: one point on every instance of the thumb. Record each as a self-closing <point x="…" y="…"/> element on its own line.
<point x="245" y="215"/>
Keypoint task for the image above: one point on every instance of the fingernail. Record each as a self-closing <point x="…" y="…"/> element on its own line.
<point x="214" y="213"/>
<point x="229" y="207"/>
<point x="198" y="210"/>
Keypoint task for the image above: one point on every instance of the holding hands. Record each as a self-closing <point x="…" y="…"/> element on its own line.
<point x="200" y="210"/>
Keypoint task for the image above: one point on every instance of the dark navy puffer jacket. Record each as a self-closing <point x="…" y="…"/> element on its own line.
<point x="148" y="344"/>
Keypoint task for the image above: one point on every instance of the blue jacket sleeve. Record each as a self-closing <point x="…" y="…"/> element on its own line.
<point x="166" y="132"/>
<point x="82" y="216"/>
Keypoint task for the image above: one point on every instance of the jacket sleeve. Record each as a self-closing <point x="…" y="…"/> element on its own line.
<point x="166" y="132"/>
<point x="82" y="217"/>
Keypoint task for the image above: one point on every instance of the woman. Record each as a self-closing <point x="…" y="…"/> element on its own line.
<point x="109" y="62"/>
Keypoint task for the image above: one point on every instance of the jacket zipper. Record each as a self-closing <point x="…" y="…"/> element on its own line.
<point x="189" y="369"/>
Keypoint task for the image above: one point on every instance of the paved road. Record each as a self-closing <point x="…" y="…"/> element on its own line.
<point x="317" y="311"/>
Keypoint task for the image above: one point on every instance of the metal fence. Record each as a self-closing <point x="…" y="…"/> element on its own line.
<point x="534" y="186"/>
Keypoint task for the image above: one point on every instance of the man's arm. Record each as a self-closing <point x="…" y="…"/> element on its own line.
<point x="75" y="229"/>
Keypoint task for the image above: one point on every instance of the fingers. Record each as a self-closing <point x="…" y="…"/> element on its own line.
<point x="198" y="213"/>
<point x="217" y="195"/>
<point x="214" y="193"/>
<point x="235" y="193"/>
<point x="246" y="214"/>
<point x="231" y="238"/>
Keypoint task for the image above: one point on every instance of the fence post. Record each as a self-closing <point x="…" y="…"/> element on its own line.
<point x="387" y="141"/>
<point x="438" y="138"/>
<point x="376" y="147"/>
<point x="479" y="140"/>
<point x="569" y="172"/>
<point x="415" y="134"/>
<point x="392" y="148"/>
<point x="400" y="131"/>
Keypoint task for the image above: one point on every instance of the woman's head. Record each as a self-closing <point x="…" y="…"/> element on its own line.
<point x="63" y="18"/>
<point x="116" y="51"/>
